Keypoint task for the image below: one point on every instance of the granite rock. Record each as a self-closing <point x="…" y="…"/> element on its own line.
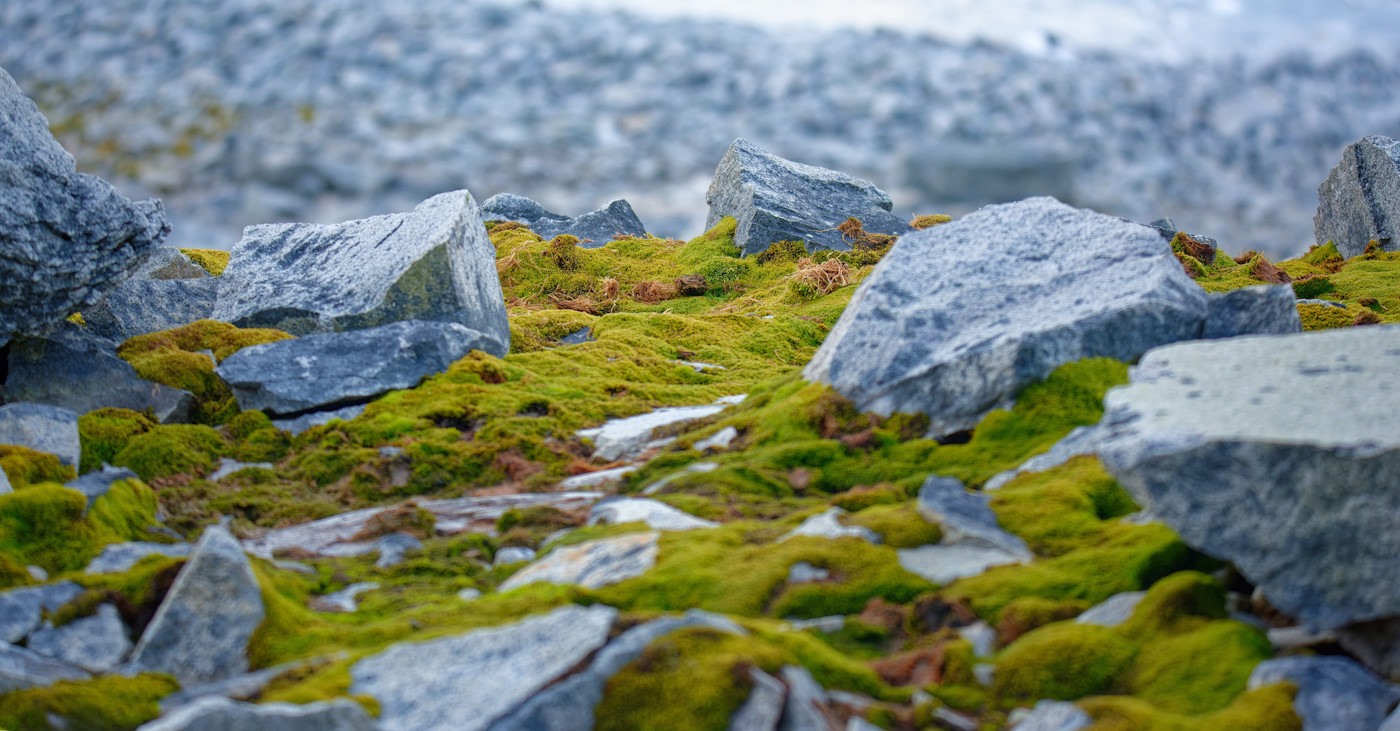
<point x="1360" y="199"/>
<point x="1264" y="309"/>
<point x="68" y="237"/>
<point x="119" y="557"/>
<point x="656" y="514"/>
<point x="966" y="517"/>
<point x="419" y="686"/>
<point x="21" y="668"/>
<point x="329" y="370"/>
<point x="43" y="428"/>
<point x="216" y="713"/>
<point x="957" y="318"/>
<point x="97" y="643"/>
<point x="168" y="262"/>
<point x="200" y="632"/>
<point x="95" y="484"/>
<point x="1112" y="611"/>
<point x="433" y="263"/>
<point x="626" y="438"/>
<point x="140" y="306"/>
<point x="764" y="707"/>
<point x="774" y="200"/>
<point x="1334" y="693"/>
<point x="827" y="524"/>
<point x="594" y="230"/>
<point x="591" y="564"/>
<point x="1054" y="716"/>
<point x="21" y="609"/>
<point x="517" y="208"/>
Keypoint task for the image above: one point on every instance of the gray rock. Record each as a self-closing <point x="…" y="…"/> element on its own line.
<point x="140" y="306"/>
<point x="469" y="594"/>
<point x="591" y="564"/>
<point x="1264" y="309"/>
<point x="595" y="230"/>
<point x="764" y="707"/>
<point x="1326" y="303"/>
<point x="329" y="370"/>
<point x="68" y="237"/>
<point x="514" y="554"/>
<point x="21" y="609"/>
<point x="97" y="643"/>
<point x="21" y="668"/>
<point x="43" y="428"/>
<point x="1082" y="440"/>
<point x="982" y="638"/>
<point x="168" y="262"/>
<point x="1334" y="693"/>
<point x="1289" y="639"/>
<point x="569" y="704"/>
<point x="690" y="469"/>
<point x="5" y="487"/>
<point x="578" y="337"/>
<point x="1360" y="199"/>
<point x="965" y="517"/>
<point x="96" y="484"/>
<point x="229" y="466"/>
<point x="1375" y="644"/>
<point x="779" y="200"/>
<point x="1054" y="716"/>
<point x="317" y="418"/>
<point x="394" y="547"/>
<point x="828" y="524"/>
<point x="200" y="632"/>
<point x="943" y="564"/>
<point x="80" y="371"/>
<point x="621" y="439"/>
<point x="657" y="515"/>
<point x="599" y="477"/>
<point x="517" y="208"/>
<point x="434" y="263"/>
<point x="1392" y="722"/>
<point x="1113" y="611"/>
<point x="719" y="440"/>
<point x="345" y="601"/>
<point x="216" y="713"/>
<point x="806" y="707"/>
<point x="1169" y="231"/>
<point x="957" y="318"/>
<point x="1212" y="438"/>
<point x="856" y="723"/>
<point x="830" y="624"/>
<point x="419" y="686"/>
<point x="119" y="557"/>
<point x="803" y="573"/>
<point x="238" y="687"/>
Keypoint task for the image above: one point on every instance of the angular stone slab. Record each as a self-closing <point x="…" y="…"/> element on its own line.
<point x="1334" y="693"/>
<point x="200" y="632"/>
<point x="626" y="438"/>
<point x="68" y="237"/>
<point x="97" y="643"/>
<point x="965" y="517"/>
<point x="656" y="514"/>
<point x="330" y="370"/>
<point x="119" y="557"/>
<point x="78" y="370"/>
<point x="807" y="701"/>
<point x="22" y="608"/>
<point x="433" y="263"/>
<point x="944" y="564"/>
<point x="1360" y="199"/>
<point x="21" y="668"/>
<point x="957" y="318"/>
<point x="1113" y="611"/>
<point x="764" y="707"/>
<point x="592" y="564"/>
<point x="517" y="208"/>
<point x="317" y="418"/>
<point x="140" y="306"/>
<point x="828" y="524"/>
<point x="464" y="683"/>
<point x="168" y="262"/>
<point x="221" y="714"/>
<point x="1219" y="440"/>
<point x="597" y="229"/>
<point x="779" y="200"/>
<point x="1055" y="716"/>
<point x="96" y="484"/>
<point x="43" y="428"/>
<point x="1264" y="309"/>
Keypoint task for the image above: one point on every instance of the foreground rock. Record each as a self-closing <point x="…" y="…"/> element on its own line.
<point x="592" y="564"/>
<point x="67" y="237"/>
<point x="959" y="317"/>
<point x="1360" y="199"/>
<point x="80" y="371"/>
<point x="329" y="370"/>
<point x="433" y="263"/>
<point x="465" y="683"/>
<point x="200" y="632"/>
<point x="779" y="200"/>
<point x="1334" y="693"/>
<point x="222" y="714"/>
<point x="1219" y="440"/>
<point x="43" y="428"/>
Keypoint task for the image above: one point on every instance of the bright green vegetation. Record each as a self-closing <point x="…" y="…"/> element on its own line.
<point x="50" y="526"/>
<point x="24" y="466"/>
<point x="213" y="261"/>
<point x="111" y="702"/>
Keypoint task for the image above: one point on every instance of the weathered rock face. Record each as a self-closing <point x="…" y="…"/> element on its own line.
<point x="433" y="263"/>
<point x="420" y="686"/>
<point x="597" y="229"/>
<point x="168" y="262"/>
<point x="1263" y="309"/>
<point x="1334" y="693"/>
<point x="592" y="564"/>
<point x="779" y="200"/>
<point x="43" y="428"/>
<point x="77" y="370"/>
<point x="517" y="208"/>
<point x="1215" y="439"/>
<point x="140" y="306"/>
<point x="200" y="632"/>
<point x="21" y="609"/>
<point x="656" y="514"/>
<point x="1360" y="199"/>
<point x="764" y="707"/>
<point x="329" y="370"/>
<point x="222" y="714"/>
<point x="959" y="317"/>
<point x="67" y="237"/>
<point x="21" y="668"/>
<point x="97" y="643"/>
<point x="827" y="524"/>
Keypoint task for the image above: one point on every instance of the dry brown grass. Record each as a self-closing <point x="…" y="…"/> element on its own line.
<point x="823" y="278"/>
<point x="651" y="292"/>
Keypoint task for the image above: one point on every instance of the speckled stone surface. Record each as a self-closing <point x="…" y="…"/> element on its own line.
<point x="1360" y="199"/>
<point x="42" y="428"/>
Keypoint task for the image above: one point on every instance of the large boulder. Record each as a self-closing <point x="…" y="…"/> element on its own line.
<point x="466" y="682"/>
<point x="329" y="370"/>
<point x="1220" y="440"/>
<point x="433" y="263"/>
<point x="43" y="428"/>
<point x="200" y="632"/>
<point x="65" y="237"/>
<point x="140" y="306"/>
<point x="957" y="318"/>
<point x="779" y="200"/>
<point x="1360" y="199"/>
<point x="74" y="369"/>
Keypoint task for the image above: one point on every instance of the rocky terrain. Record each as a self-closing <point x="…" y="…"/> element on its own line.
<point x="479" y="465"/>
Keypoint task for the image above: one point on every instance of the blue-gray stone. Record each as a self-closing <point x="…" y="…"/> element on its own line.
<point x="22" y="609"/>
<point x="1054" y="716"/>
<point x="764" y="707"/>
<point x="514" y="554"/>
<point x="97" y="643"/>
<point x="119" y="557"/>
<point x="807" y="702"/>
<point x="1360" y="200"/>
<point x="774" y="200"/>
<point x="581" y="335"/>
<point x="517" y="208"/>
<point x="1264" y="309"/>
<point x="301" y="423"/>
<point x="168" y="262"/>
<point x="966" y="517"/>
<point x="140" y="306"/>
<point x="21" y="668"/>
<point x="597" y="229"/>
<point x="216" y="713"/>
<point x="96" y="484"/>
<point x="43" y="428"/>
<point x="1334" y="693"/>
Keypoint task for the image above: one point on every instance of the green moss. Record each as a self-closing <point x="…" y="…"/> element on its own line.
<point x="864" y="496"/>
<point x="1326" y="254"/>
<point x="213" y="261"/>
<point x="50" y="526"/>
<point x="77" y="319"/>
<point x="24" y="466"/>
<point x="1062" y="509"/>
<point x="109" y="702"/>
<point x="900" y="526"/>
<point x="1313" y="287"/>
<point x="1064" y="661"/>
<point x="172" y="449"/>
<point x="923" y="222"/>
<point x="1265" y="709"/>
<point x="105" y="432"/>
<point x="1026" y="613"/>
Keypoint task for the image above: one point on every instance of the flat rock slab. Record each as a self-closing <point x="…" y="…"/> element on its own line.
<point x="221" y="714"/>
<point x="965" y="517"/>
<point x="97" y="643"/>
<point x="119" y="557"/>
<point x="828" y="524"/>
<point x="1334" y="693"/>
<point x="69" y="237"/>
<point x="597" y="229"/>
<point x="464" y="683"/>
<point x="328" y="370"/>
<point x="21" y="668"/>
<point x="79" y="370"/>
<point x="200" y="632"/>
<point x="1360" y="199"/>
<point x="764" y="707"/>
<point x="43" y="428"/>
<point x="1113" y="611"/>
<point x="1219" y="440"/>
<point x="433" y="263"/>
<point x="140" y="306"/>
<point x="656" y="514"/>
<point x="779" y="200"/>
<point x="957" y="318"/>
<point x="942" y="564"/>
<point x="1264" y="309"/>
<point x="592" y="564"/>
<point x="626" y="438"/>
<point x="301" y="423"/>
<point x="21" y="609"/>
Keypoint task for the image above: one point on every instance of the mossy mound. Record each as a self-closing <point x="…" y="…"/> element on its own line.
<point x="109" y="702"/>
<point x="52" y="527"/>
<point x="24" y="466"/>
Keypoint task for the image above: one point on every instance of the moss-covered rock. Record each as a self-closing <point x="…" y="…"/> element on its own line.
<point x="50" y="526"/>
<point x="24" y="466"/>
<point x="109" y="702"/>
<point x="105" y="432"/>
<point x="172" y="449"/>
